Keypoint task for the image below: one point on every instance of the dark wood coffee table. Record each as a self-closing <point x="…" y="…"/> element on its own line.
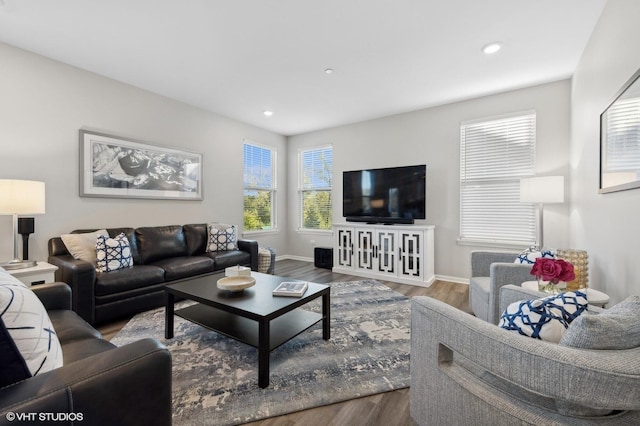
<point x="253" y="316"/>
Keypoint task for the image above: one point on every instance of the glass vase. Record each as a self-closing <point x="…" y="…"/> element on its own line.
<point x="551" y="288"/>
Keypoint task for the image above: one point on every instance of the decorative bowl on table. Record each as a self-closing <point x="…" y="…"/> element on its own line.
<point x="236" y="283"/>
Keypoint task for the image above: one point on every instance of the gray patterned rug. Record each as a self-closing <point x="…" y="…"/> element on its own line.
<point x="215" y="380"/>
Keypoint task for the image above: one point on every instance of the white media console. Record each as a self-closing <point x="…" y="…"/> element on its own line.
<point x="401" y="253"/>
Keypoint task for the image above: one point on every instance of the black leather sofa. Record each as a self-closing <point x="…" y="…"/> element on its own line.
<point x="99" y="383"/>
<point x="161" y="255"/>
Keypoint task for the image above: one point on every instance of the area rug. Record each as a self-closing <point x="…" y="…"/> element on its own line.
<point x="215" y="378"/>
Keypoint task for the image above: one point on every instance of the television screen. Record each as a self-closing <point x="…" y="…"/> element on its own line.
<point x="389" y="195"/>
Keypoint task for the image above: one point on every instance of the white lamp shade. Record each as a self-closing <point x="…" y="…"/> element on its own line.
<point x="542" y="189"/>
<point x="21" y="197"/>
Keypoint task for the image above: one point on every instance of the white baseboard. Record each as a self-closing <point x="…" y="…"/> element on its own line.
<point x="450" y="279"/>
<point x="292" y="257"/>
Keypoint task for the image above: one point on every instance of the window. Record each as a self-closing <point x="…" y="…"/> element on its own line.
<point x="316" y="173"/>
<point x="494" y="155"/>
<point x="259" y="188"/>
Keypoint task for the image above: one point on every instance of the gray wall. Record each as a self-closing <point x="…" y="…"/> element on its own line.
<point x="432" y="136"/>
<point x="43" y="103"/>
<point x="606" y="225"/>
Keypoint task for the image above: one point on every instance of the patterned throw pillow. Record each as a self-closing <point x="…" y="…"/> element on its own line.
<point x="529" y="257"/>
<point x="113" y="253"/>
<point x="28" y="343"/>
<point x="545" y="319"/>
<point x="221" y="237"/>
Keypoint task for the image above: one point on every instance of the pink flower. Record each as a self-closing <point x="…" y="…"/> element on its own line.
<point x="553" y="270"/>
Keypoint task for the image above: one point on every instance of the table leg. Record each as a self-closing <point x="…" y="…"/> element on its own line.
<point x="326" y="316"/>
<point x="263" y="353"/>
<point x="168" y="315"/>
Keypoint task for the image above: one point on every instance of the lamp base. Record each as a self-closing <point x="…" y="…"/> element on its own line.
<point x="19" y="264"/>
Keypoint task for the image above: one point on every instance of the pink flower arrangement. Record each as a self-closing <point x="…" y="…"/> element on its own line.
<point x="553" y="270"/>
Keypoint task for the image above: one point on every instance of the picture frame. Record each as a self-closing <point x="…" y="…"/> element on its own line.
<point x="620" y="139"/>
<point x="117" y="167"/>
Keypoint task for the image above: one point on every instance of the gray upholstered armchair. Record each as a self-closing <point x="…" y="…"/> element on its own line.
<point x="468" y="371"/>
<point x="489" y="272"/>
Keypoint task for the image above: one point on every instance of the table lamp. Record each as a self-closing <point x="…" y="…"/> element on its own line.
<point x="542" y="190"/>
<point x="20" y="197"/>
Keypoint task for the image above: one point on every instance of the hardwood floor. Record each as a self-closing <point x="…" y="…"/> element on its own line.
<point x="389" y="408"/>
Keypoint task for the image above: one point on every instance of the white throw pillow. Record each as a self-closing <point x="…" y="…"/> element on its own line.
<point x="529" y="257"/>
<point x="83" y="246"/>
<point x="28" y="343"/>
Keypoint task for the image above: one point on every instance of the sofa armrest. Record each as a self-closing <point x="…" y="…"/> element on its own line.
<point x="503" y="274"/>
<point x="129" y="385"/>
<point x="251" y="247"/>
<point x="441" y="335"/>
<point x="81" y="277"/>
<point x="54" y="296"/>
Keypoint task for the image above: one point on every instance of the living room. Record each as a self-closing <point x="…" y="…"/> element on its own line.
<point x="45" y="103"/>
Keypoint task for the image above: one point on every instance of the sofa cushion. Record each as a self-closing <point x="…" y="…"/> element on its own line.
<point x="224" y="259"/>
<point x="186" y="266"/>
<point x="28" y="342"/>
<point x="83" y="245"/>
<point x="160" y="242"/>
<point x="113" y="253"/>
<point x="77" y="350"/>
<point x="197" y="237"/>
<point x="222" y="237"/>
<point x="614" y="329"/>
<point x="138" y="276"/>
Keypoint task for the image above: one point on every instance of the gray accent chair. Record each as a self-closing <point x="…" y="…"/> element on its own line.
<point x="489" y="272"/>
<point x="465" y="371"/>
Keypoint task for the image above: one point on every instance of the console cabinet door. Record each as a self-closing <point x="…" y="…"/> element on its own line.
<point x="386" y="249"/>
<point x="344" y="247"/>
<point x="364" y="249"/>
<point x="411" y="253"/>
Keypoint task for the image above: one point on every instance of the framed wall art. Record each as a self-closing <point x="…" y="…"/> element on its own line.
<point x="111" y="166"/>
<point x="620" y="139"/>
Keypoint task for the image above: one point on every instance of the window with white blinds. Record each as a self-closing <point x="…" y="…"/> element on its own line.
<point x="494" y="154"/>
<point x="259" y="188"/>
<point x="316" y="180"/>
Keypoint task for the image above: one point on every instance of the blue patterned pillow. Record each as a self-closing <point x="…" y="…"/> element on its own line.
<point x="529" y="257"/>
<point x="221" y="237"/>
<point x="545" y="319"/>
<point x="113" y="253"/>
<point x="28" y="343"/>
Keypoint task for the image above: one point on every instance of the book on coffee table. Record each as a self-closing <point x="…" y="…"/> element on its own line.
<point x="290" y="289"/>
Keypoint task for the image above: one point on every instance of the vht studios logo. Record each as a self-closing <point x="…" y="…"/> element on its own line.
<point x="44" y="417"/>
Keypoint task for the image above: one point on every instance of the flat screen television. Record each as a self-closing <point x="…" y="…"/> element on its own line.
<point x="389" y="195"/>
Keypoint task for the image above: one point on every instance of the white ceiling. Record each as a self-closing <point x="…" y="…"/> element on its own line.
<point x="241" y="57"/>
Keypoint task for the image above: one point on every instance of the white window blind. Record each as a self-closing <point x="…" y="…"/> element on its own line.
<point x="259" y="188"/>
<point x="316" y="180"/>
<point x="494" y="155"/>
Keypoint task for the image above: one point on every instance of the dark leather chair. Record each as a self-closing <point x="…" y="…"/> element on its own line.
<point x="99" y="383"/>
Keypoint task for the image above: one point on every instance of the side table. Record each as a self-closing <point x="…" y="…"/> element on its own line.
<point x="42" y="273"/>
<point x="594" y="297"/>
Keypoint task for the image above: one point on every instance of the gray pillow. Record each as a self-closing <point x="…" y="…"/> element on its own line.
<point x="615" y="328"/>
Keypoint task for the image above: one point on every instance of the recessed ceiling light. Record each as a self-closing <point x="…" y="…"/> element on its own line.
<point x="328" y="71"/>
<point x="492" y="48"/>
<point x="267" y="113"/>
